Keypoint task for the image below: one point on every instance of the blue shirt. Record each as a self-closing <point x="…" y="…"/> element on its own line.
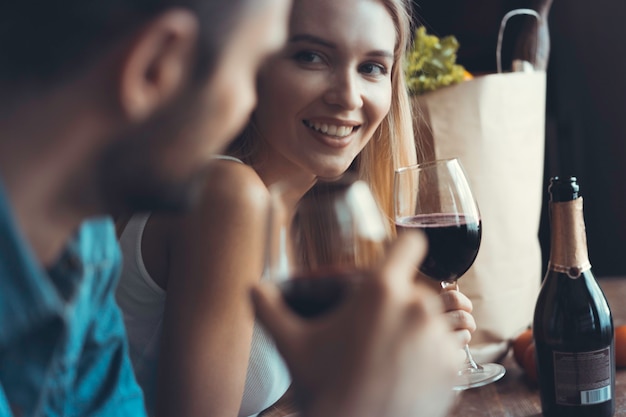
<point x="63" y="348"/>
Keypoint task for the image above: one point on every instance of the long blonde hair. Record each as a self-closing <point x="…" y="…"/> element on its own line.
<point x="391" y="147"/>
<point x="393" y="144"/>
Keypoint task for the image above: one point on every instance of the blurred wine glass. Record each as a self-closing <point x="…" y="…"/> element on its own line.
<point x="320" y="246"/>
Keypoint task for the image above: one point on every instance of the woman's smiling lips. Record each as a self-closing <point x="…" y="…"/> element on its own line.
<point x="335" y="133"/>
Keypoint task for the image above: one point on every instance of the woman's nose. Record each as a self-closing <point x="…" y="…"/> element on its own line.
<point x="344" y="91"/>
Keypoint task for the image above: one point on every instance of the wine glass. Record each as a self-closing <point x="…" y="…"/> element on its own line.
<point x="320" y="245"/>
<point x="435" y="197"/>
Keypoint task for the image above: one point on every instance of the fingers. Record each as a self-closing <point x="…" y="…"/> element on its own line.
<point x="404" y="257"/>
<point x="463" y="337"/>
<point x="455" y="300"/>
<point x="275" y="315"/>
<point x="460" y="320"/>
<point x="424" y="304"/>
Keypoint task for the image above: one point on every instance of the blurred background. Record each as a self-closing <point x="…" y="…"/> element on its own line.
<point x="585" y="107"/>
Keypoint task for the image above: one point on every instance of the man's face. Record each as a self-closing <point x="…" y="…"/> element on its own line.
<point x="160" y="164"/>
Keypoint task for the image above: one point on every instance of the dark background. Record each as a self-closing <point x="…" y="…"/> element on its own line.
<point x="585" y="107"/>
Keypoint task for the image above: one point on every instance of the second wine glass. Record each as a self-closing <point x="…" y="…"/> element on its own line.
<point x="435" y="197"/>
<point x="320" y="244"/>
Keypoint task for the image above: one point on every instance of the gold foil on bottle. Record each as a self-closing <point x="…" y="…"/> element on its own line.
<point x="568" y="250"/>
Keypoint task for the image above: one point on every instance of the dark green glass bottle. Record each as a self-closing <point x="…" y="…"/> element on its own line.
<point x="572" y="327"/>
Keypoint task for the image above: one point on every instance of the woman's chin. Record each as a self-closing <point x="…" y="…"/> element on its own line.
<point x="332" y="175"/>
<point x="332" y="172"/>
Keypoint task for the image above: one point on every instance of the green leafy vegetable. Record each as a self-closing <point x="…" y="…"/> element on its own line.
<point x="431" y="63"/>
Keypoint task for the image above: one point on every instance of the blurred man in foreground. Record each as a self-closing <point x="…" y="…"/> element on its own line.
<point x="117" y="105"/>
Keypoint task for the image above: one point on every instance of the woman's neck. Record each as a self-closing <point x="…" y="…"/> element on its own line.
<point x="274" y="172"/>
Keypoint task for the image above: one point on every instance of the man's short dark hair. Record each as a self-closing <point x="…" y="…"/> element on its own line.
<point x="47" y="41"/>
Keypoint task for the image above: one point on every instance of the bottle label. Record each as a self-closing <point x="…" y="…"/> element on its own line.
<point x="582" y="378"/>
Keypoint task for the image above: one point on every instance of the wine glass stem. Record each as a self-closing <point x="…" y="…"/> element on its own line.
<point x="469" y="360"/>
<point x="471" y="363"/>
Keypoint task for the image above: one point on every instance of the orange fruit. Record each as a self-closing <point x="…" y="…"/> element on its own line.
<point x="620" y="346"/>
<point x="521" y="342"/>
<point x="530" y="363"/>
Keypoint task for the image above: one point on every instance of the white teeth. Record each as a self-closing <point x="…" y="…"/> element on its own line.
<point x="331" y="130"/>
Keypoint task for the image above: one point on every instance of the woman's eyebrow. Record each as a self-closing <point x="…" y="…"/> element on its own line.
<point x="323" y="42"/>
<point x="381" y="53"/>
<point x="312" y="39"/>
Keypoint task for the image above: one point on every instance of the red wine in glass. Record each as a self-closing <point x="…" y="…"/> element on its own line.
<point x="435" y="197"/>
<point x="318" y="293"/>
<point x="453" y="243"/>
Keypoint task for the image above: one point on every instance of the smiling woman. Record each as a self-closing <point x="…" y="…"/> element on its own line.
<point x="337" y="85"/>
<point x="334" y="99"/>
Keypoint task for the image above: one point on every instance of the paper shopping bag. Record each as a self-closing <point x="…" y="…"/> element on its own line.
<point x="495" y="125"/>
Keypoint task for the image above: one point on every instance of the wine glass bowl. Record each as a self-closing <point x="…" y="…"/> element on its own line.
<point x="320" y="243"/>
<point x="435" y="197"/>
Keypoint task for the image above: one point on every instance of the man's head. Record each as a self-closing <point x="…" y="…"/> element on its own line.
<point x="179" y="77"/>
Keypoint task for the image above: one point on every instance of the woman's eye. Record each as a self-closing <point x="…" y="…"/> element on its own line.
<point x="373" y="69"/>
<point x="308" y="57"/>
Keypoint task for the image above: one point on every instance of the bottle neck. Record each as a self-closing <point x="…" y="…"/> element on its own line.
<point x="568" y="249"/>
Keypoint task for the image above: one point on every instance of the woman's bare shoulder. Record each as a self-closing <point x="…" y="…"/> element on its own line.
<point x="233" y="187"/>
<point x="233" y="194"/>
<point x="233" y="197"/>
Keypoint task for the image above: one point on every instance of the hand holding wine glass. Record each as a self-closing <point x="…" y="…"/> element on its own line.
<point x="347" y="314"/>
<point x="386" y="350"/>
<point x="435" y="197"/>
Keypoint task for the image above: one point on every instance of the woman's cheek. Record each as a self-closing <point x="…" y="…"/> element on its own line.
<point x="381" y="102"/>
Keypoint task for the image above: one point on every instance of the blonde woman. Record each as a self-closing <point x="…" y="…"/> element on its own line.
<point x="333" y="99"/>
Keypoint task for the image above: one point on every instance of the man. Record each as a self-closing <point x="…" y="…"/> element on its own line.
<point x="117" y="105"/>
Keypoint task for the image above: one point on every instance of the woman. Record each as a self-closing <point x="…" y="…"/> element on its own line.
<point x="334" y="99"/>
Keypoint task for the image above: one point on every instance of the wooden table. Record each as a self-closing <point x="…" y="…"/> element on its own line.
<point x="513" y="396"/>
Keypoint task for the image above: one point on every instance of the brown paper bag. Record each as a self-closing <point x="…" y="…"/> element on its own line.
<point x="495" y="125"/>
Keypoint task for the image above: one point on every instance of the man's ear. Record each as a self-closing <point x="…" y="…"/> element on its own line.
<point x="158" y="63"/>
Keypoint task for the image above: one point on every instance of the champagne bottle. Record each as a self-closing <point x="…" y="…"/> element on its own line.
<point x="572" y="326"/>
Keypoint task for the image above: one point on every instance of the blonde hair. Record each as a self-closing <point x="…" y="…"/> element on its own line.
<point x="393" y="145"/>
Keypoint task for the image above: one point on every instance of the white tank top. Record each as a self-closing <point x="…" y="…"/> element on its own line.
<point x="143" y="302"/>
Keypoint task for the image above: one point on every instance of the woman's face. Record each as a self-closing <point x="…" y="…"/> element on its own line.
<point x="324" y="95"/>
